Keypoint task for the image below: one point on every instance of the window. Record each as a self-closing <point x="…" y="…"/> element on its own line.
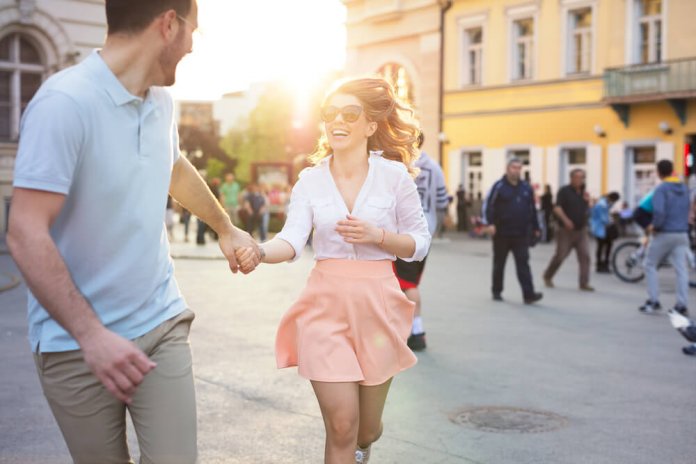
<point x="21" y="74"/>
<point x="577" y="156"/>
<point x="580" y="41"/>
<point x="523" y="48"/>
<point x="650" y="31"/>
<point x="473" y="59"/>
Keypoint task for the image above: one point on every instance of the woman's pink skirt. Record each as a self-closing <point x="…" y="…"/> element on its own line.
<point x="350" y="324"/>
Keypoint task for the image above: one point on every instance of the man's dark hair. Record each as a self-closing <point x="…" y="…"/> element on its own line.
<point x="665" y="168"/>
<point x="133" y="16"/>
<point x="614" y="197"/>
<point x="576" y="171"/>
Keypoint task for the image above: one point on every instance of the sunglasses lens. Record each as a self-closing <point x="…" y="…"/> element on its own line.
<point x="329" y="114"/>
<point x="351" y="113"/>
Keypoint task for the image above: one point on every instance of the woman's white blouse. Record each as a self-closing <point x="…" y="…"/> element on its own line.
<point x="388" y="199"/>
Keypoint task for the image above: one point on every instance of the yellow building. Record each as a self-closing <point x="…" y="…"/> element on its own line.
<point x="604" y="85"/>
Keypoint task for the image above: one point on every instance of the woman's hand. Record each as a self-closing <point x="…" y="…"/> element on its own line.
<point x="354" y="230"/>
<point x="247" y="258"/>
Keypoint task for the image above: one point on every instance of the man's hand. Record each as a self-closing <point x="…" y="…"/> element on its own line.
<point x="569" y="224"/>
<point x="234" y="239"/>
<point x="354" y="230"/>
<point x="492" y="230"/>
<point x="537" y="233"/>
<point x="118" y="363"/>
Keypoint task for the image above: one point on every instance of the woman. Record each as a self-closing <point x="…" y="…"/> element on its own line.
<point x="547" y="208"/>
<point x="604" y="230"/>
<point x="347" y="332"/>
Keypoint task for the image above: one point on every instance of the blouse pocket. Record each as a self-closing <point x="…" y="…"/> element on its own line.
<point x="323" y="210"/>
<point x="380" y="209"/>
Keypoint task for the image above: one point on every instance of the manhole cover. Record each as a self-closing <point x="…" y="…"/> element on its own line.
<point x="508" y="420"/>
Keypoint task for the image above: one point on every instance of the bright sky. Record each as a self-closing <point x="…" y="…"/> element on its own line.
<point x="245" y="41"/>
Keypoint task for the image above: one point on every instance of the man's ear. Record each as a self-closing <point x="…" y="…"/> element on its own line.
<point x="168" y="25"/>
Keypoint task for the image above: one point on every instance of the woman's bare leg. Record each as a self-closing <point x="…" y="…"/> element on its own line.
<point x="340" y="407"/>
<point x="372" y="401"/>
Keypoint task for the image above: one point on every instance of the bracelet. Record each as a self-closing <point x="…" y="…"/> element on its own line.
<point x="262" y="252"/>
<point x="384" y="235"/>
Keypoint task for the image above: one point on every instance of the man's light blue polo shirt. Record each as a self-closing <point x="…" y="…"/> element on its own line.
<point x="111" y="153"/>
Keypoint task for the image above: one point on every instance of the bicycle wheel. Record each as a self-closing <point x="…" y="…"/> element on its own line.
<point x="627" y="262"/>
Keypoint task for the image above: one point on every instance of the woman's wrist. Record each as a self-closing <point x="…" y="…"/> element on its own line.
<point x="382" y="235"/>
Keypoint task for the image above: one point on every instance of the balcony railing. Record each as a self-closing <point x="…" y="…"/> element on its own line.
<point x="656" y="81"/>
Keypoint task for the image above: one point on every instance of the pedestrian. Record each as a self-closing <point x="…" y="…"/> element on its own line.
<point x="625" y="218"/>
<point x="433" y="195"/>
<point x="571" y="211"/>
<point x="255" y="206"/>
<point x="229" y="197"/>
<point x="604" y="230"/>
<point x="669" y="238"/>
<point x="185" y="219"/>
<point x="169" y="218"/>
<point x="108" y="325"/>
<point x="347" y="332"/>
<point x="547" y="209"/>
<point x="462" y="206"/>
<point x="511" y="216"/>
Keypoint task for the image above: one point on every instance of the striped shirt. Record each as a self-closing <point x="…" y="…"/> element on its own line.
<point x="432" y="189"/>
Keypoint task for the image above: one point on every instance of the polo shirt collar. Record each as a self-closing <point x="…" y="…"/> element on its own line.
<point x="118" y="93"/>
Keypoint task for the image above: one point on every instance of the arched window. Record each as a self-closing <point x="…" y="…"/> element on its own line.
<point x="22" y="71"/>
<point x="397" y="76"/>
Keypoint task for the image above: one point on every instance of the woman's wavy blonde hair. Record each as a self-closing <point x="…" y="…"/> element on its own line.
<point x="397" y="133"/>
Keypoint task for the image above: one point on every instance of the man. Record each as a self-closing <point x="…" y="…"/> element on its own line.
<point x="510" y="213"/>
<point x="571" y="210"/>
<point x="229" y="197"/>
<point x="670" y="240"/>
<point x="255" y="206"/>
<point x="433" y="194"/>
<point x="462" y="205"/>
<point x="108" y="326"/>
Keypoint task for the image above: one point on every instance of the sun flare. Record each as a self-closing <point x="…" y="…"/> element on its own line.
<point x="242" y="42"/>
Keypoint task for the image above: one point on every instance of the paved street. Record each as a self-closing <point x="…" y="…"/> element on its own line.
<point x="616" y="385"/>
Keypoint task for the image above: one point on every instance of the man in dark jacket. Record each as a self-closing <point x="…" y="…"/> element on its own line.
<point x="511" y="216"/>
<point x="670" y="228"/>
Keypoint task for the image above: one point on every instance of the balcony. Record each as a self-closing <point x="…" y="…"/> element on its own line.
<point x="671" y="81"/>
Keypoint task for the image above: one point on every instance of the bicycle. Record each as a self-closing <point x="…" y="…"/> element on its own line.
<point x="628" y="258"/>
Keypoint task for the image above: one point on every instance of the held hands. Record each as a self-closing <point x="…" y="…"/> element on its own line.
<point x="235" y="240"/>
<point x="247" y="259"/>
<point x="354" y="230"/>
<point x="117" y="362"/>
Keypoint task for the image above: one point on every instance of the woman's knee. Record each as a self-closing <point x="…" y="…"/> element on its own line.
<point x="342" y="429"/>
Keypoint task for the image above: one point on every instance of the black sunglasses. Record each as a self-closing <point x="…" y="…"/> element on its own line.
<point x="349" y="113"/>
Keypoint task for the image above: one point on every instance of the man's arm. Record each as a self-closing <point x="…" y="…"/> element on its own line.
<point x="533" y="211"/>
<point x="118" y="363"/>
<point x="560" y="213"/>
<point x="188" y="188"/>
<point x="489" y="207"/>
